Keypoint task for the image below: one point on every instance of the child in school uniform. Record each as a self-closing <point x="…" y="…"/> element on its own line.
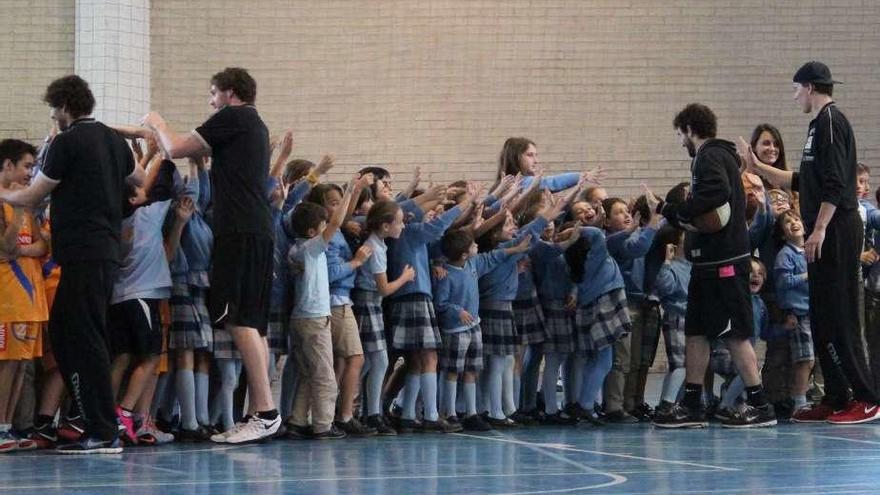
<point x="342" y="265"/>
<point x="412" y="320"/>
<point x="310" y="320"/>
<point x="554" y="289"/>
<point x="793" y="298"/>
<point x="671" y="286"/>
<point x="601" y="318"/>
<point x="384" y="220"/>
<point x="456" y="299"/>
<point x="498" y="289"/>
<point x="628" y="243"/>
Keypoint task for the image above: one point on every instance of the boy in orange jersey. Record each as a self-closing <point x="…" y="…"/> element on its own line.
<point x="22" y="296"/>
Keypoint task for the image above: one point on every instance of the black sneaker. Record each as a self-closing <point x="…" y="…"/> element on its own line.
<point x="354" y="428"/>
<point x="663" y="407"/>
<point x="502" y="423"/>
<point x="453" y="420"/>
<point x="621" y="417"/>
<point x="681" y="416"/>
<point x="200" y="434"/>
<point x="408" y="426"/>
<point x="574" y="410"/>
<point x="475" y="423"/>
<point x="724" y="414"/>
<point x="333" y="433"/>
<point x="559" y="418"/>
<point x="91" y="445"/>
<point x="752" y="417"/>
<point x="294" y="432"/>
<point x="598" y="411"/>
<point x="643" y="412"/>
<point x="523" y="417"/>
<point x="784" y="409"/>
<point x="440" y="426"/>
<point x="382" y="427"/>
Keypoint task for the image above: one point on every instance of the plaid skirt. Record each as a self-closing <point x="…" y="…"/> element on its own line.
<point x="499" y="331"/>
<point x="800" y="341"/>
<point x="278" y="331"/>
<point x="413" y="324"/>
<point x="190" y="321"/>
<point x="674" y="340"/>
<point x="602" y="322"/>
<point x="528" y="318"/>
<point x="462" y="351"/>
<point x="367" y="307"/>
<point x="558" y="327"/>
<point x="224" y="346"/>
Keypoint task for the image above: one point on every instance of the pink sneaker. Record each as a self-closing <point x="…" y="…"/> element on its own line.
<point x="129" y="435"/>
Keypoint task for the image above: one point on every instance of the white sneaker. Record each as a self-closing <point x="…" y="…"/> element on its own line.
<point x="221" y="437"/>
<point x="255" y="429"/>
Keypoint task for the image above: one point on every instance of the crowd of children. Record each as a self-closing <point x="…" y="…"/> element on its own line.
<point x="436" y="309"/>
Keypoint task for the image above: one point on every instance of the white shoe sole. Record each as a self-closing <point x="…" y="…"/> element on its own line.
<point x="267" y="434"/>
<point x="105" y="450"/>
<point x="765" y="424"/>
<point x="678" y="426"/>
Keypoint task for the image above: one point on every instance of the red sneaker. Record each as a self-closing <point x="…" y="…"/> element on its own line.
<point x="857" y="412"/>
<point x="817" y="413"/>
<point x="71" y="429"/>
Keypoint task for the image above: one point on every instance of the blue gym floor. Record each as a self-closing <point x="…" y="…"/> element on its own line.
<point x="802" y="459"/>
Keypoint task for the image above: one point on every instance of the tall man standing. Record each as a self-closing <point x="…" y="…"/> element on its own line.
<point x="719" y="302"/>
<point x="241" y="274"/>
<point x="829" y="207"/>
<point x="85" y="170"/>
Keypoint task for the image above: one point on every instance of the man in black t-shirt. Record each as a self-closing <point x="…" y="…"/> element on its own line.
<point x="241" y="272"/>
<point x="86" y="168"/>
<point x="829" y="206"/>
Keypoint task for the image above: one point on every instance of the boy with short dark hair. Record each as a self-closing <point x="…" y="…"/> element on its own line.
<point x="310" y="319"/>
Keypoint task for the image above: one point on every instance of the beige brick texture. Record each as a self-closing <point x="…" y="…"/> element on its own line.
<point x="442" y="83"/>
<point x="36" y="46"/>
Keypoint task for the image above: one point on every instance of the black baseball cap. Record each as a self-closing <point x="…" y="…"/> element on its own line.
<point x="814" y="72"/>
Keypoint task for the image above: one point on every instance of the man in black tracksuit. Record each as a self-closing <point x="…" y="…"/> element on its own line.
<point x="719" y="301"/>
<point x="829" y="207"/>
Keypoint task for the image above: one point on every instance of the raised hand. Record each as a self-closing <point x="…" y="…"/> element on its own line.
<point x="363" y="254"/>
<point x="184" y="208"/>
<point x="325" y="164"/>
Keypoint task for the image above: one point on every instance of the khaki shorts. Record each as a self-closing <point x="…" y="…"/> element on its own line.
<point x="344" y="332"/>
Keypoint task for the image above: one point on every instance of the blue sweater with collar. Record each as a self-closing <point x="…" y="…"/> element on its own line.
<point x="792" y="286"/>
<point x="601" y="273"/>
<point x="629" y="249"/>
<point x="502" y="283"/>
<point x="459" y="290"/>
<point x="551" y="272"/>
<point x="412" y="249"/>
<point x="671" y="286"/>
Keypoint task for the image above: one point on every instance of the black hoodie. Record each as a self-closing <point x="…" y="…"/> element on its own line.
<point x="715" y="180"/>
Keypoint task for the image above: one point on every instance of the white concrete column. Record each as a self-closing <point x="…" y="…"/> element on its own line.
<point x="112" y="53"/>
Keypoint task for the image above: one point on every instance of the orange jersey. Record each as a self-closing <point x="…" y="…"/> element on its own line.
<point x="51" y="269"/>
<point x="22" y="291"/>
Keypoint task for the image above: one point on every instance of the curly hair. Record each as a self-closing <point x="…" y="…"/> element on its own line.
<point x="71" y="93"/>
<point x="239" y="81"/>
<point x="699" y="119"/>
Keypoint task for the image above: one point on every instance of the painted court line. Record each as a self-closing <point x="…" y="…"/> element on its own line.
<point x="597" y="452"/>
<point x="316" y="480"/>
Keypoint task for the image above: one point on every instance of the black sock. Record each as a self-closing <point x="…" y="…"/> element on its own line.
<point x="43" y="420"/>
<point x="693" y="395"/>
<point x="270" y="415"/>
<point x="755" y="396"/>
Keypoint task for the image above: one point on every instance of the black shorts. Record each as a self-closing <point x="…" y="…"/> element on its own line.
<point x="134" y="327"/>
<point x="719" y="302"/>
<point x="241" y="281"/>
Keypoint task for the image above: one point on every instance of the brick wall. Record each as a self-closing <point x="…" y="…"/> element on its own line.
<point x="36" y="46"/>
<point x="442" y="83"/>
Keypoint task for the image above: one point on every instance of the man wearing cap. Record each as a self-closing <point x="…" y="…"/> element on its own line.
<point x="829" y="207"/>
